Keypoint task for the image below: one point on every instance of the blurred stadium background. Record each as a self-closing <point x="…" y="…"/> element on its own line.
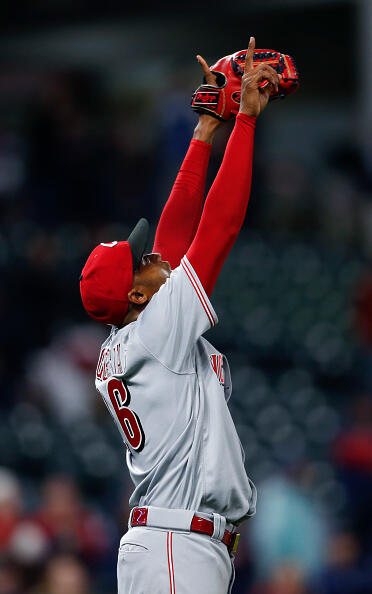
<point x="94" y="122"/>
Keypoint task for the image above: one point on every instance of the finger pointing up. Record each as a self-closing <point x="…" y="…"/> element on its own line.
<point x="248" y="66"/>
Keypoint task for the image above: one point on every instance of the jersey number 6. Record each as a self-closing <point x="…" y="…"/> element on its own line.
<point x="129" y="421"/>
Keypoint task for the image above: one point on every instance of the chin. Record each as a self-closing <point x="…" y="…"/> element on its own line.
<point x="166" y="269"/>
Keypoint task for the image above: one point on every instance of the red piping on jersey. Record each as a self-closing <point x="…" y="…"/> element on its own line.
<point x="198" y="292"/>
<point x="170" y="563"/>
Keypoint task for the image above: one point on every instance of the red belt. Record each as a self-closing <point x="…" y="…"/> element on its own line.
<point x="198" y="524"/>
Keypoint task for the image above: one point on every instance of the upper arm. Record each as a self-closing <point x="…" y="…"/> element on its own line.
<point x="177" y="315"/>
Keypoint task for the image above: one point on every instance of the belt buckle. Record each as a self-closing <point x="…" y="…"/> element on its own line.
<point x="139" y="516"/>
<point x="234" y="546"/>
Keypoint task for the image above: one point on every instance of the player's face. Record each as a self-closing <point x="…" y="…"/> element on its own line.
<point x="152" y="272"/>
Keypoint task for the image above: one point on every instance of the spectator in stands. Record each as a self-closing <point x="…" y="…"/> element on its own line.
<point x="21" y="541"/>
<point x="64" y="574"/>
<point x="363" y="328"/>
<point x="288" y="526"/>
<point x="10" y="507"/>
<point x="10" y="578"/>
<point x="345" y="572"/>
<point x="352" y="452"/>
<point x="287" y="578"/>
<point x="61" y="374"/>
<point x="69" y="525"/>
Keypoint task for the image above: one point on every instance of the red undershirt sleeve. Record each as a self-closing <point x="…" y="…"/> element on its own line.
<point x="181" y="214"/>
<point x="225" y="206"/>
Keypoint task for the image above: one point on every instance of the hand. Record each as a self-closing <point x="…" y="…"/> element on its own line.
<point x="254" y="98"/>
<point x="207" y="124"/>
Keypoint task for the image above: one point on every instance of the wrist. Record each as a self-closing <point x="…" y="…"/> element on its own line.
<point x="248" y="112"/>
<point x="206" y="128"/>
<point x="245" y="117"/>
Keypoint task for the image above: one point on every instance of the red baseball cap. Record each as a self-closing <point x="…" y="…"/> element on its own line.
<point x="107" y="276"/>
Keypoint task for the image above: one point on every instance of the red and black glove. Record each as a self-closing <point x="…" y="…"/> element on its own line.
<point x="222" y="101"/>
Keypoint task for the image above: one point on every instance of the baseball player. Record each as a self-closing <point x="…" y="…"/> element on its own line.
<point x="167" y="387"/>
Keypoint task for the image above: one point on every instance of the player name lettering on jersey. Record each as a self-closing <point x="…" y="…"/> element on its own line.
<point x="109" y="363"/>
<point x="217" y="366"/>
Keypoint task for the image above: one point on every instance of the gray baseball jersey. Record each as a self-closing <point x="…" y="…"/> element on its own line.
<point x="167" y="389"/>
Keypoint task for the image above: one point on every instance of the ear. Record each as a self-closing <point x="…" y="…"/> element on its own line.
<point x="138" y="296"/>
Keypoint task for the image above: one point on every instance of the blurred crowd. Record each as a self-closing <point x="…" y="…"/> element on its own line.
<point x="77" y="167"/>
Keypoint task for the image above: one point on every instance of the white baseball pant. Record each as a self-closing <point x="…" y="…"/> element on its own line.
<point x="167" y="561"/>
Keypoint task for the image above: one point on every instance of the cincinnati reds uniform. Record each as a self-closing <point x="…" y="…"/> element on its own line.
<point x="167" y="389"/>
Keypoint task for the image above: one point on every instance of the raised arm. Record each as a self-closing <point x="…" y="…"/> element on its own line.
<point x="227" y="200"/>
<point x="181" y="214"/>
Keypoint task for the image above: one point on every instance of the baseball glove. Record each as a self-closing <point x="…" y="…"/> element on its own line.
<point x="222" y="101"/>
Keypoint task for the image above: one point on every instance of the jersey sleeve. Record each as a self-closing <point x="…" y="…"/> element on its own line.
<point x="225" y="206"/>
<point x="177" y="315"/>
<point x="181" y="214"/>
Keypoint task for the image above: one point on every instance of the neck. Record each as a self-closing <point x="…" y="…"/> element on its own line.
<point x="133" y="313"/>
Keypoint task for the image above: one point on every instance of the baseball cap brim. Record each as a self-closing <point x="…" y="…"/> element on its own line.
<point x="138" y="241"/>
